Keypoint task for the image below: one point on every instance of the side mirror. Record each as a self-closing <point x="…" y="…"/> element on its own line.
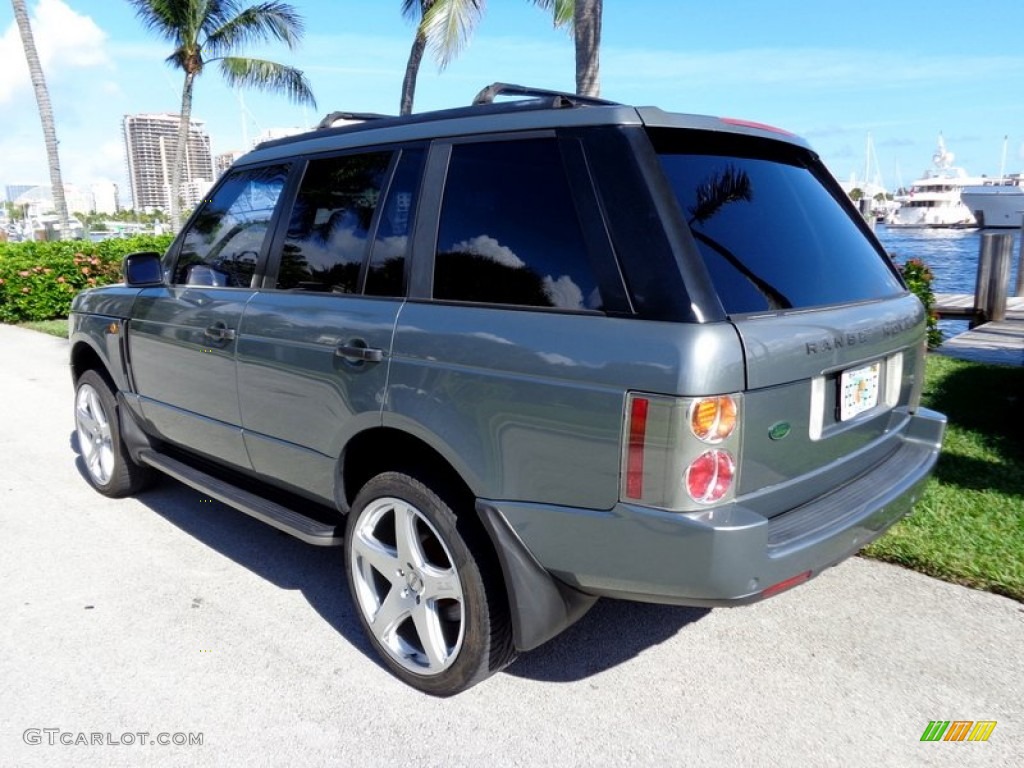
<point x="142" y="269"/>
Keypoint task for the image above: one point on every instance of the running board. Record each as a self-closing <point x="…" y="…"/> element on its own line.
<point x="288" y="520"/>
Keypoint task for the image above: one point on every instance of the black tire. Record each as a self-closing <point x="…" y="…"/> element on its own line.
<point x="108" y="466"/>
<point x="438" y="580"/>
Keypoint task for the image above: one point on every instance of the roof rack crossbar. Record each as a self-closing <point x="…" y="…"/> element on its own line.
<point x="558" y="98"/>
<point x="330" y="119"/>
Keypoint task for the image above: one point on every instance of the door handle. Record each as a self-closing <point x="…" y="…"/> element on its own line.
<point x="220" y="332"/>
<point x="365" y="354"/>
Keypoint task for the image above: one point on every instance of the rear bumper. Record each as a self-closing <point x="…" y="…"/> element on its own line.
<point x="728" y="555"/>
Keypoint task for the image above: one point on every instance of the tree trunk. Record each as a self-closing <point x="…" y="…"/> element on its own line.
<point x="45" y="116"/>
<point x="587" y="32"/>
<point x="412" y="70"/>
<point x="179" y="151"/>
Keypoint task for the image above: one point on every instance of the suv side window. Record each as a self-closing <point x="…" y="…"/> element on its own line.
<point x="509" y="233"/>
<point x="326" y="241"/>
<point x="386" y="274"/>
<point x="223" y="243"/>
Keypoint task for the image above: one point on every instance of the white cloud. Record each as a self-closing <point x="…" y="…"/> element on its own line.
<point x="64" y="40"/>
<point x="489" y="248"/>
<point x="563" y="292"/>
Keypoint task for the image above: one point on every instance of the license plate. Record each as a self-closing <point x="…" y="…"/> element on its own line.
<point x="858" y="390"/>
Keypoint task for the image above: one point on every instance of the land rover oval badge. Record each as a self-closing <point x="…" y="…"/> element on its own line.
<point x="779" y="430"/>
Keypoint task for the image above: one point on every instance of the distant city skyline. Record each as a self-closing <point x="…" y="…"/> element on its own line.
<point x="832" y="73"/>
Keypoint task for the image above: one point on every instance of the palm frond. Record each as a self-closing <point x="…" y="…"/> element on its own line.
<point x="448" y="25"/>
<point x="167" y="18"/>
<point x="415" y="10"/>
<point x="561" y="11"/>
<point x="730" y="185"/>
<point x="257" y="23"/>
<point x="267" y="76"/>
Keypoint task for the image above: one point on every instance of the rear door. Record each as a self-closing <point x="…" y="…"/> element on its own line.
<point x="831" y="337"/>
<point x="315" y="343"/>
<point x="182" y="337"/>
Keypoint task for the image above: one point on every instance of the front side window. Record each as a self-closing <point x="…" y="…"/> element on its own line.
<point x="224" y="242"/>
<point x="509" y="233"/>
<point x="326" y="241"/>
<point x="770" y="233"/>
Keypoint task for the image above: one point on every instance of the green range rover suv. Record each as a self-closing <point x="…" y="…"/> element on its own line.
<point x="518" y="356"/>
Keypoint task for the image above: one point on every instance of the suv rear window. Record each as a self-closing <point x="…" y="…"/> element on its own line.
<point x="509" y="233"/>
<point x="771" y="234"/>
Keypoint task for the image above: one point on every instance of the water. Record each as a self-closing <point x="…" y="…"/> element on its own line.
<point x="952" y="255"/>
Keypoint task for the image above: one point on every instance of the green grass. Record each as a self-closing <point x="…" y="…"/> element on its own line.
<point x="968" y="528"/>
<point x="57" y="327"/>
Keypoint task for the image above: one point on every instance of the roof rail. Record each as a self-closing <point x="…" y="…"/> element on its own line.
<point x="332" y="118"/>
<point x="558" y="98"/>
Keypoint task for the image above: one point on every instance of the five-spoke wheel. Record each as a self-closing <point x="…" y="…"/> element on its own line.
<point x="108" y="465"/>
<point x="431" y="604"/>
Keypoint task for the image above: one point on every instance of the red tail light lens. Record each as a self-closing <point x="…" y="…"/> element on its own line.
<point x="709" y="476"/>
<point x="635" y="451"/>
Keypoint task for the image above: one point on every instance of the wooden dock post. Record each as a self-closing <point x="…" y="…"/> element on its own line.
<point x="990" y="290"/>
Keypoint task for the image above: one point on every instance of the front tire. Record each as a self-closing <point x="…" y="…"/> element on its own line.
<point x="108" y="466"/>
<point x="426" y="587"/>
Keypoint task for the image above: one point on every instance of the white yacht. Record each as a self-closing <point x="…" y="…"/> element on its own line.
<point x="934" y="199"/>
<point x="997" y="202"/>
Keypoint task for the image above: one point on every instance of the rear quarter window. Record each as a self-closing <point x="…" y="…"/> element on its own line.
<point x="768" y="229"/>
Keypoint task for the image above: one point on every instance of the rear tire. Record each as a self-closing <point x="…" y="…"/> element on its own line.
<point x="425" y="586"/>
<point x="108" y="466"/>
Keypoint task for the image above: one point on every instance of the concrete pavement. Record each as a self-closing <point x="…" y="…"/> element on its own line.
<point x="170" y="615"/>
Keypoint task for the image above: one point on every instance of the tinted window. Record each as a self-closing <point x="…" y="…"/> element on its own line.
<point x="509" y="232"/>
<point x="224" y="241"/>
<point x="771" y="235"/>
<point x="325" y="245"/>
<point x="386" y="275"/>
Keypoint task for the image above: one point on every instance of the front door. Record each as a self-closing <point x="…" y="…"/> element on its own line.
<point x="183" y="335"/>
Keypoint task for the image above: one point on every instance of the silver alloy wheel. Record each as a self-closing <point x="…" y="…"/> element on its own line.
<point x="407" y="586"/>
<point x="94" y="438"/>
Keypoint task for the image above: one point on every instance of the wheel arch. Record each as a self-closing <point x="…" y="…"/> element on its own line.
<point x="85" y="357"/>
<point x="383" y="449"/>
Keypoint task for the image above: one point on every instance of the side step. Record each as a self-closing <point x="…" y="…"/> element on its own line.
<point x="288" y="520"/>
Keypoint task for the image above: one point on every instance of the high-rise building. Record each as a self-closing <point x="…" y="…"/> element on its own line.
<point x="149" y="145"/>
<point x="224" y="160"/>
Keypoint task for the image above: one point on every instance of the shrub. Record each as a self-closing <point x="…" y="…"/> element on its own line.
<point x="38" y="280"/>
<point x="919" y="279"/>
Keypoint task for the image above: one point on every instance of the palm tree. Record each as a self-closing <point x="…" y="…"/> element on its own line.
<point x="45" y="115"/>
<point x="204" y="31"/>
<point x="586" y="22"/>
<point x="447" y="25"/>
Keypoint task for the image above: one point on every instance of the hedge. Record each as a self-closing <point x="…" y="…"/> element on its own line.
<point x="39" y="279"/>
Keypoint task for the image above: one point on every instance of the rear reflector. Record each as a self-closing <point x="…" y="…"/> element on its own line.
<point x="782" y="586"/>
<point x="635" y="452"/>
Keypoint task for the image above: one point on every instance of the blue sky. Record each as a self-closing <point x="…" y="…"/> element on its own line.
<point x="830" y="71"/>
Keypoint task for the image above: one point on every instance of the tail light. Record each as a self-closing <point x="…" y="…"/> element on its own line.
<point x="709" y="477"/>
<point x="680" y="453"/>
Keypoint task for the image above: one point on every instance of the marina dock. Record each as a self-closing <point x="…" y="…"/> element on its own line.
<point x="999" y="342"/>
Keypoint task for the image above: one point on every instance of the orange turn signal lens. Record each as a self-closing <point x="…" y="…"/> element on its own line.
<point x="712" y="419"/>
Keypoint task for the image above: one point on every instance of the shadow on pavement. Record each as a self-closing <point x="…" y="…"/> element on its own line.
<point x="612" y="632"/>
